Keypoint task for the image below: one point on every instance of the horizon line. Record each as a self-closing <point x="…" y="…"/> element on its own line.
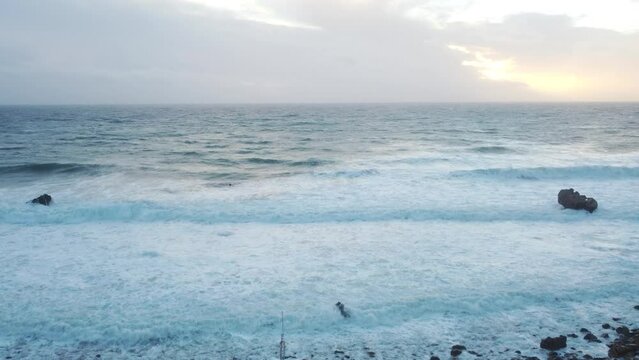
<point x="328" y="103"/>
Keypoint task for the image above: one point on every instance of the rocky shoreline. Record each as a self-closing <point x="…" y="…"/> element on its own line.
<point x="618" y="334"/>
<point x="622" y="343"/>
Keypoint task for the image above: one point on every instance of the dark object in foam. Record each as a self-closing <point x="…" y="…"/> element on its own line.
<point x="44" y="199"/>
<point x="571" y="199"/>
<point x="553" y="344"/>
<point x="342" y="310"/>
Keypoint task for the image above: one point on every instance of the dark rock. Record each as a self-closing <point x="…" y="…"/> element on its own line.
<point x="44" y="199"/>
<point x="434" y="358"/>
<point x="606" y="326"/>
<point x="553" y="356"/>
<point x="555" y="343"/>
<point x="456" y="350"/>
<point x="591" y="338"/>
<point x="605" y="335"/>
<point x="584" y="330"/>
<point x="574" y="336"/>
<point x="571" y="199"/>
<point x="342" y="310"/>
<point x="623" y="330"/>
<point x="636" y="307"/>
<point x="370" y="354"/>
<point x="616" y="319"/>
<point x="626" y="345"/>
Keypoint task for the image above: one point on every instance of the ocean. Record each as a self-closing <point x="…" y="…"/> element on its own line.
<point x="184" y="232"/>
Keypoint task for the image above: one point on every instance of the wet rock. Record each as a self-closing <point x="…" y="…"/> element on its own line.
<point x="590" y="337"/>
<point x="553" y="343"/>
<point x="636" y="307"/>
<point x="44" y="199"/>
<point x="574" y="336"/>
<point x="553" y="356"/>
<point x="584" y="330"/>
<point x="571" y="199"/>
<point x="370" y="354"/>
<point x="456" y="350"/>
<point x="459" y="347"/>
<point x="626" y="345"/>
<point x="605" y="326"/>
<point x="342" y="310"/>
<point x="434" y="358"/>
<point x="623" y="330"/>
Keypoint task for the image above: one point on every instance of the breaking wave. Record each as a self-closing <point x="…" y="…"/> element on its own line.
<point x="551" y="173"/>
<point x="50" y="168"/>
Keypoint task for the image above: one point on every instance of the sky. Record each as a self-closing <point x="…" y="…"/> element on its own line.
<point x="317" y="51"/>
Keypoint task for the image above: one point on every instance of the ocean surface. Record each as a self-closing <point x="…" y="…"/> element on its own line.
<point x="185" y="231"/>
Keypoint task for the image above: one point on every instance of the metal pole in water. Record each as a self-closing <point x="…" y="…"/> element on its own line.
<point x="282" y="342"/>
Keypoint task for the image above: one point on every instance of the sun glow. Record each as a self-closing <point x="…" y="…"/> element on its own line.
<point x="491" y="68"/>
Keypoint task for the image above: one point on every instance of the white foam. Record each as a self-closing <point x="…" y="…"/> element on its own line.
<point x="188" y="289"/>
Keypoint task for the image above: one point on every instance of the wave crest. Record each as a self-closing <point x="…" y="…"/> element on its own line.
<point x="550" y="173"/>
<point x="50" y="168"/>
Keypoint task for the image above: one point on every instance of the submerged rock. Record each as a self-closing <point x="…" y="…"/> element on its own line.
<point x="590" y="337"/>
<point x="456" y="350"/>
<point x="553" y="343"/>
<point x="623" y="330"/>
<point x="571" y="199"/>
<point x="44" y="199"/>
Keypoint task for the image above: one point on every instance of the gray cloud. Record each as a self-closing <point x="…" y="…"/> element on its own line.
<point x="605" y="59"/>
<point x="126" y="51"/>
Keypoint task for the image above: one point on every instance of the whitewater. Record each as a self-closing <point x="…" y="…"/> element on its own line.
<point x="185" y="231"/>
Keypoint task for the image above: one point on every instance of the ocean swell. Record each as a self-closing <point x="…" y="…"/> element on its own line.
<point x="50" y="168"/>
<point x="552" y="173"/>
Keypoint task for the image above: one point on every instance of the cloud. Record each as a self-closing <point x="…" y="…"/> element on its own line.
<point x="618" y="15"/>
<point x="551" y="55"/>
<point x="250" y="10"/>
<point x="188" y="51"/>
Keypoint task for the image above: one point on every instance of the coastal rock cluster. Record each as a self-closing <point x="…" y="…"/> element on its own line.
<point x="571" y="199"/>
<point x="623" y="343"/>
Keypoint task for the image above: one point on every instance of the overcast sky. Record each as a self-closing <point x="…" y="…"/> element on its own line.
<point x="230" y="51"/>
